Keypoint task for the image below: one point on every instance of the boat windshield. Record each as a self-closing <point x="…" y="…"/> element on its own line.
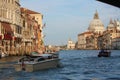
<point x="35" y="54"/>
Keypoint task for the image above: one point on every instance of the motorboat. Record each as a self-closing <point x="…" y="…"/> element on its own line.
<point x="104" y="53"/>
<point x="35" y="62"/>
<point x="3" y="55"/>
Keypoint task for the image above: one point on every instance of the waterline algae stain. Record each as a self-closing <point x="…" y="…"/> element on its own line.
<point x="76" y="65"/>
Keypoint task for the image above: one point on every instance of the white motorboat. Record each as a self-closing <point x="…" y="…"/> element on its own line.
<point x="2" y="55"/>
<point x="37" y="62"/>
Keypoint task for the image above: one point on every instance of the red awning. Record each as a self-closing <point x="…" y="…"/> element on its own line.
<point x="7" y="27"/>
<point x="0" y="37"/>
<point x="7" y="37"/>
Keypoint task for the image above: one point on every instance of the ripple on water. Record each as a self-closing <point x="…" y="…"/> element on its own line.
<point x="76" y="65"/>
<point x="89" y="72"/>
<point x="113" y="78"/>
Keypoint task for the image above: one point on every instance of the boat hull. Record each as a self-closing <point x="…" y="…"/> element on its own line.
<point x="104" y="54"/>
<point x="30" y="67"/>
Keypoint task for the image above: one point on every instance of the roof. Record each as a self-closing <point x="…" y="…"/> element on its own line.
<point x="116" y="38"/>
<point x="85" y="33"/>
<point x="28" y="11"/>
<point x="111" y="2"/>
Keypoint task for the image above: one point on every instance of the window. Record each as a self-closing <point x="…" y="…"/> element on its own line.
<point x="2" y="30"/>
<point x="23" y="23"/>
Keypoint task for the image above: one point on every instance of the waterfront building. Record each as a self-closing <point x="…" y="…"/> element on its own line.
<point x="27" y="31"/>
<point x="114" y="28"/>
<point x="104" y="40"/>
<point x="98" y="38"/>
<point x="82" y="43"/>
<point x="116" y="43"/>
<point x="97" y="28"/>
<point x="20" y="28"/>
<point x="32" y="31"/>
<point x="115" y="35"/>
<point x="39" y="30"/>
<point x="92" y="41"/>
<point x="10" y="25"/>
<point x="70" y="44"/>
<point x="88" y="40"/>
<point x="110" y="37"/>
<point x="109" y="34"/>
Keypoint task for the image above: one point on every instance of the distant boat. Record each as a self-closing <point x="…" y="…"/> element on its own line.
<point x="104" y="53"/>
<point x="104" y="48"/>
<point x="3" y="55"/>
<point x="37" y="62"/>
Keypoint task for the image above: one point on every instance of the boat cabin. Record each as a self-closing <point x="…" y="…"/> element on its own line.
<point x="104" y="53"/>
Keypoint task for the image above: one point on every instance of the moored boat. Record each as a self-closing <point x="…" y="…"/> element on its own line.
<point x="3" y="55"/>
<point x="37" y="62"/>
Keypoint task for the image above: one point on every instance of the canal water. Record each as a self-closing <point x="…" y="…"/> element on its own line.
<point x="75" y="65"/>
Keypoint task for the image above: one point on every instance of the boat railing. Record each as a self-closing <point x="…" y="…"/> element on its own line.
<point x="33" y="59"/>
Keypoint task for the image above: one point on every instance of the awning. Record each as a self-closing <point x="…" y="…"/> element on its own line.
<point x="7" y="37"/>
<point x="0" y="37"/>
<point x="7" y="27"/>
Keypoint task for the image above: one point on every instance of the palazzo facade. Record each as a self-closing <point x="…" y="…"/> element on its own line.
<point x="18" y="35"/>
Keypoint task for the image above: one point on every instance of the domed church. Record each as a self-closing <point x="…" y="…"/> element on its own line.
<point x="96" y="25"/>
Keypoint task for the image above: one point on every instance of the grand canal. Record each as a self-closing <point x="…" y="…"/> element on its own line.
<point x="75" y="65"/>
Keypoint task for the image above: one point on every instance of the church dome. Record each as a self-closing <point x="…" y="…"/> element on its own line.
<point x="96" y="24"/>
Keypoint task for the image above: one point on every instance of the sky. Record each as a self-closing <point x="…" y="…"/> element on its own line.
<point x="65" y="19"/>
